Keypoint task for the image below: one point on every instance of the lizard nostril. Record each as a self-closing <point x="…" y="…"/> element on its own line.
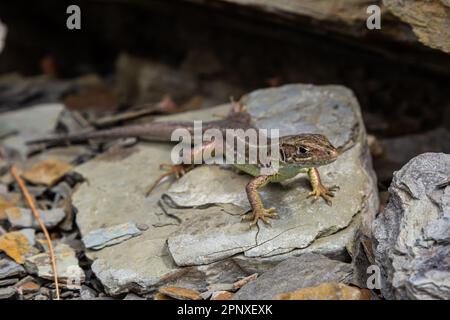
<point x="332" y="153"/>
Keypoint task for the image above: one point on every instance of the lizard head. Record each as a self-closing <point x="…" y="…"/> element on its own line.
<point x="307" y="150"/>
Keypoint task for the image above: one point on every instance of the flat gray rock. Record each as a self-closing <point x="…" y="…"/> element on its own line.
<point x="309" y="270"/>
<point x="413" y="233"/>
<point x="100" y="238"/>
<point x="24" y="218"/>
<point x="8" y="282"/>
<point x="28" y="123"/>
<point x="66" y="263"/>
<point x="9" y="268"/>
<point x="6" y="293"/>
<point x="330" y="110"/>
<point x="195" y="236"/>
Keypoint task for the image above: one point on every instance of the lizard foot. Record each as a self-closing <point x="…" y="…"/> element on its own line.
<point x="321" y="191"/>
<point x="263" y="214"/>
<point x="176" y="170"/>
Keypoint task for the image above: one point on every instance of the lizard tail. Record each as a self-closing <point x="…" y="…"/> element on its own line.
<point x="157" y="131"/>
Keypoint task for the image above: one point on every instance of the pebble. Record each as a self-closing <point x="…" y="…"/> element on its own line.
<point x="132" y="296"/>
<point x="87" y="293"/>
<point x="27" y="285"/>
<point x="66" y="263"/>
<point x="222" y="295"/>
<point x="180" y="293"/>
<point x="8" y="282"/>
<point x="9" y="268"/>
<point x="6" y="293"/>
<point x="23" y="218"/>
<point x="103" y="237"/>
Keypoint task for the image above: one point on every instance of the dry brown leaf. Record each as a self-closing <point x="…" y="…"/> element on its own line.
<point x="180" y="293"/>
<point x="16" y="246"/>
<point x="47" y="172"/>
<point x="327" y="291"/>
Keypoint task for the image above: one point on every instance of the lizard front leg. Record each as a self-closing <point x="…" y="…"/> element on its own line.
<point x="319" y="190"/>
<point x="258" y="210"/>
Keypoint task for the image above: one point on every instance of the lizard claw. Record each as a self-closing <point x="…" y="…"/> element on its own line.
<point x="263" y="214"/>
<point x="324" y="192"/>
<point x="177" y="170"/>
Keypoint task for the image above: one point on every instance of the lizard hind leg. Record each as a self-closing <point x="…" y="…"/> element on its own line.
<point x="179" y="170"/>
<point x="176" y="170"/>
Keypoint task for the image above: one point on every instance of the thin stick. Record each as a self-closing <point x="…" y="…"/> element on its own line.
<point x="36" y="214"/>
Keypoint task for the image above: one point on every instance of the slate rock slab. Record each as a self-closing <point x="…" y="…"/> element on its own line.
<point x="100" y="238"/>
<point x="23" y="218"/>
<point x="309" y="270"/>
<point x="9" y="268"/>
<point x="28" y="123"/>
<point x="413" y="233"/>
<point x="330" y="110"/>
<point x="7" y="293"/>
<point x="195" y="236"/>
<point x="66" y="263"/>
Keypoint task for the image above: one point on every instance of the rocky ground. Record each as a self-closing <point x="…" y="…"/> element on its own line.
<point x="187" y="241"/>
<point x="386" y="236"/>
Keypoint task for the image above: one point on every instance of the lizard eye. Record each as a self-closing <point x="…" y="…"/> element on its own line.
<point x="302" y="150"/>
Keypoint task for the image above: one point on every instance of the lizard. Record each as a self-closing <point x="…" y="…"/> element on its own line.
<point x="298" y="153"/>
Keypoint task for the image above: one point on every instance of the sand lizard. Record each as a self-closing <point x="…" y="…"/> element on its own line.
<point x="300" y="153"/>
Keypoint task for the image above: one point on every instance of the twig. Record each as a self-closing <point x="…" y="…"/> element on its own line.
<point x="36" y="214"/>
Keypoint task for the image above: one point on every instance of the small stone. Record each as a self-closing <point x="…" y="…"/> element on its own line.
<point x="222" y="295"/>
<point x="16" y="245"/>
<point x="100" y="238"/>
<point x="7" y="201"/>
<point x="327" y="291"/>
<point x="87" y="293"/>
<point x="297" y="272"/>
<point x="30" y="287"/>
<point x="45" y="291"/>
<point x="132" y="296"/>
<point x="221" y="287"/>
<point x="9" y="268"/>
<point x="24" y="218"/>
<point x="180" y="293"/>
<point x="47" y="172"/>
<point x="8" y="282"/>
<point x="27" y="285"/>
<point x="66" y="263"/>
<point x="239" y="284"/>
<point x="142" y="226"/>
<point x="30" y="234"/>
<point x="40" y="297"/>
<point x="206" y="295"/>
<point x="6" y="293"/>
<point x="66" y="295"/>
